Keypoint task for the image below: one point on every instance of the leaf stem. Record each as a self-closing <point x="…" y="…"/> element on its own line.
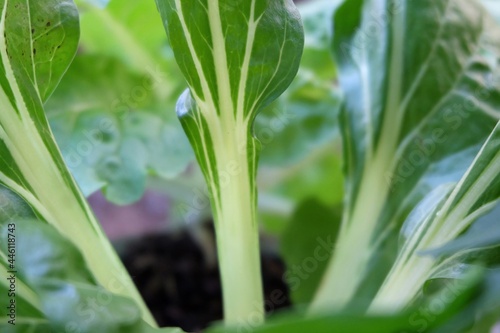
<point x="234" y="202"/>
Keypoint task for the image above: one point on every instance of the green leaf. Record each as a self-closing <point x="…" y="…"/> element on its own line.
<point x="482" y="234"/>
<point x="70" y="297"/>
<point x="493" y="7"/>
<point x="317" y="58"/>
<point x="117" y="31"/>
<point x="38" y="40"/>
<point x="40" y="46"/>
<point x="114" y="140"/>
<point x="302" y="122"/>
<point x="304" y="119"/>
<point x="418" y="319"/>
<point x="306" y="247"/>
<point x="237" y="57"/>
<point x="421" y="92"/>
<point x="476" y="193"/>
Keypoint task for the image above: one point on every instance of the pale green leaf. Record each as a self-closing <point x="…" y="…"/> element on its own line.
<point x="421" y="82"/>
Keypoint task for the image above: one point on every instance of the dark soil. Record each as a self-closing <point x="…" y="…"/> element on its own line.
<point x="182" y="289"/>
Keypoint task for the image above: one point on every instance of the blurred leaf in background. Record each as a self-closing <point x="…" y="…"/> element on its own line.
<point x="299" y="132"/>
<point x="306" y="246"/>
<point x="110" y="130"/>
<point x="114" y="112"/>
<point x="493" y="7"/>
<point x="67" y="296"/>
<point x="304" y="119"/>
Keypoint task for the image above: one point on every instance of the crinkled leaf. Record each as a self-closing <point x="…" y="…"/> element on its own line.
<point x="114" y="139"/>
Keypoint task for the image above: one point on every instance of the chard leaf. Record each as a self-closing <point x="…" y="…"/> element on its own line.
<point x="306" y="246"/>
<point x="118" y="31"/>
<point x="237" y="57"/>
<point x="483" y="233"/>
<point x="38" y="40"/>
<point x="304" y="119"/>
<point x="476" y="193"/>
<point x="414" y="320"/>
<point x="12" y="209"/>
<point x="70" y="297"/>
<point x="113" y="140"/>
<point x="422" y="89"/>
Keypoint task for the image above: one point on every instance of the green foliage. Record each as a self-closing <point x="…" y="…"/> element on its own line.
<point x="115" y="139"/>
<point x="38" y="41"/>
<point x="417" y="112"/>
<point x="68" y="295"/>
<point x="237" y="57"/>
<point x="412" y="89"/>
<point x="306" y="245"/>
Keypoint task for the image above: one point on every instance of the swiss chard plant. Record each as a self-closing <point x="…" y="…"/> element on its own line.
<point x="420" y="132"/>
<point x="409" y="243"/>
<point x="247" y="56"/>
<point x="38" y="42"/>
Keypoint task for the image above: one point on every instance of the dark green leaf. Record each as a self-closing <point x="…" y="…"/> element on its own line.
<point x="306" y="246"/>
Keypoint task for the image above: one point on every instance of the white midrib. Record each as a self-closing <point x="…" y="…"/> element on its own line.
<point x="220" y="59"/>
<point x="53" y="193"/>
<point x="237" y="230"/>
<point x="450" y="227"/>
<point x="345" y="271"/>
<point x="199" y="68"/>
<point x="252" y="27"/>
<point x="411" y="271"/>
<point x="206" y="106"/>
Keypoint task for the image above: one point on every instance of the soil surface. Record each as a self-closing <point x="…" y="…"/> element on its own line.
<point x="182" y="288"/>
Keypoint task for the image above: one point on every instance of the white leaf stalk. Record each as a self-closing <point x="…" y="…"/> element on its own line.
<point x="237" y="57"/>
<point x="33" y="167"/>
